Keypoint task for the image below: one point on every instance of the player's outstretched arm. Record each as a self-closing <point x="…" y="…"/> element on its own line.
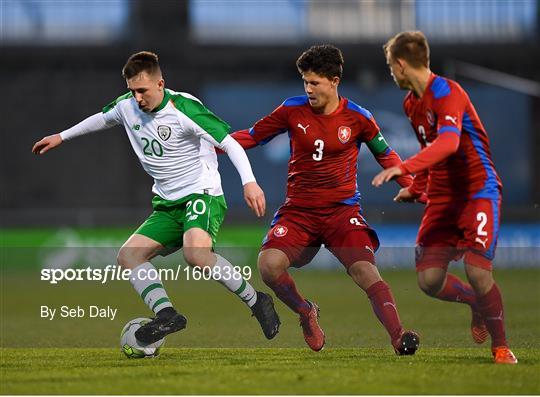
<point x="253" y="194"/>
<point x="386" y="175"/>
<point x="244" y="138"/>
<point x="47" y="143"/>
<point x="93" y="123"/>
<point x="406" y="195"/>
<point x="387" y="157"/>
<point x="442" y="147"/>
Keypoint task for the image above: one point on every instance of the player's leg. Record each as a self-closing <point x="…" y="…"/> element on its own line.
<point x="198" y="242"/>
<point x="198" y="253"/>
<point x="480" y="221"/>
<point x="136" y="254"/>
<point x="367" y="277"/>
<point x="273" y="264"/>
<point x="287" y="243"/>
<point x="148" y="241"/>
<point x="351" y="240"/>
<point x="437" y="238"/>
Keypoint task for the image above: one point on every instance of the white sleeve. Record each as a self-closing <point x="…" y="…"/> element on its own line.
<point x="97" y="122"/>
<point x="238" y="157"/>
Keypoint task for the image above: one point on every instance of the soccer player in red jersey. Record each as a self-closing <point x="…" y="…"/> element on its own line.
<point x="322" y="204"/>
<point x="462" y="216"/>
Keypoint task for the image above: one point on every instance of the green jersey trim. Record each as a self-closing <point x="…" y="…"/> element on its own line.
<point x="201" y="116"/>
<point x="166" y="98"/>
<point x="378" y="144"/>
<point x="111" y="105"/>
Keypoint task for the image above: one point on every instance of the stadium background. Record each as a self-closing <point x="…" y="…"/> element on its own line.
<point x="61" y="62"/>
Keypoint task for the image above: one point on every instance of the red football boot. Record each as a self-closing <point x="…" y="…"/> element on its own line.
<point x="313" y="334"/>
<point x="503" y="355"/>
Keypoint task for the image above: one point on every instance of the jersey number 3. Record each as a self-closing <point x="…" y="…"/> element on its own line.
<point x="319" y="146"/>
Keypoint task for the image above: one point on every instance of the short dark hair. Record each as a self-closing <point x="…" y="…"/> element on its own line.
<point x="411" y="46"/>
<point x="325" y="60"/>
<point x="144" y="61"/>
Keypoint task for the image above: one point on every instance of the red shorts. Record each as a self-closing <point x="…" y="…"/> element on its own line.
<point x="450" y="231"/>
<point x="299" y="233"/>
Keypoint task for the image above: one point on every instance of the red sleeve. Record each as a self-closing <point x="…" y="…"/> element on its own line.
<point x="244" y="138"/>
<point x="263" y="131"/>
<point x="419" y="184"/>
<point x="270" y="126"/>
<point x="391" y="159"/>
<point x="448" y="110"/>
<point x="440" y="148"/>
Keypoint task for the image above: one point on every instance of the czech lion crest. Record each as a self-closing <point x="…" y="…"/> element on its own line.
<point x="344" y="134"/>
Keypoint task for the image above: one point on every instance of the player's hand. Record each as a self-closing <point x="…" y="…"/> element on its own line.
<point x="422" y="199"/>
<point x="47" y="143"/>
<point x="405" y="196"/>
<point x="254" y="197"/>
<point x="386" y="176"/>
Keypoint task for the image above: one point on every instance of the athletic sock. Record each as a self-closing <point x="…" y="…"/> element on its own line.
<point x="385" y="308"/>
<point x="232" y="279"/>
<point x="286" y="291"/>
<point x="490" y="306"/>
<point x="145" y="279"/>
<point x="456" y="290"/>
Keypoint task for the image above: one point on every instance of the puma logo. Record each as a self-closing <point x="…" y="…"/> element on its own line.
<point x="303" y="128"/>
<point x="483" y="242"/>
<point x="452" y="119"/>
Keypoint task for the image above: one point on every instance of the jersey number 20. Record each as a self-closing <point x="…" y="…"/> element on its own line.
<point x="152" y="148"/>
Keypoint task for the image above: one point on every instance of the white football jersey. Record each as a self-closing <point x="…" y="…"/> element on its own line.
<point x="174" y="143"/>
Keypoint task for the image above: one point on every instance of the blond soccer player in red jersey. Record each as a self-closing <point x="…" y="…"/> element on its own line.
<point x="462" y="216"/>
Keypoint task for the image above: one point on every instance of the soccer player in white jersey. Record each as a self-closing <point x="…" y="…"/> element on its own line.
<point x="174" y="136"/>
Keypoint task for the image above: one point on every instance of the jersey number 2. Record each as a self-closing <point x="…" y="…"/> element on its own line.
<point x="482" y="218"/>
<point x="319" y="146"/>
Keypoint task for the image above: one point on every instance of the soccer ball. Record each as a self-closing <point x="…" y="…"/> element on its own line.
<point x="132" y="347"/>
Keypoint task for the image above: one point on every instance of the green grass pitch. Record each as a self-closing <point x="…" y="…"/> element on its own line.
<point x="223" y="351"/>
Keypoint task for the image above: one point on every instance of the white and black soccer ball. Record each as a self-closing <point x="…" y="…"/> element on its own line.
<point x="132" y="347"/>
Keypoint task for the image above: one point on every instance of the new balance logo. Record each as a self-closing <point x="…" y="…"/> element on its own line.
<point x="136" y="127"/>
<point x="303" y="128"/>
<point x="483" y="242"/>
<point x="452" y="119"/>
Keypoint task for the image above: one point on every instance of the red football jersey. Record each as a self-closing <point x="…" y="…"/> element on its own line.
<point x="445" y="108"/>
<point x="324" y="149"/>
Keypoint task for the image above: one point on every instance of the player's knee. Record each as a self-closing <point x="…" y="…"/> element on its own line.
<point x="364" y="274"/>
<point x="269" y="271"/>
<point x="198" y="257"/>
<point x="481" y="279"/>
<point x="271" y="266"/>
<point x="430" y="286"/>
<point x="431" y="280"/>
<point x="130" y="257"/>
